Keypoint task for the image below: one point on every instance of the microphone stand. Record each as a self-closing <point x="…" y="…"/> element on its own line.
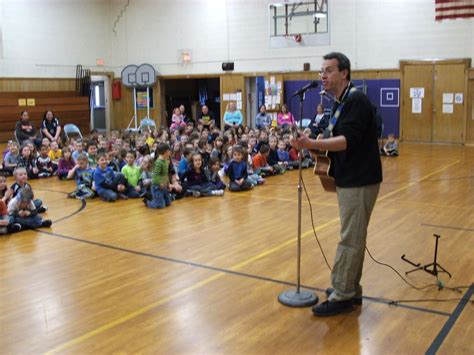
<point x="299" y="298"/>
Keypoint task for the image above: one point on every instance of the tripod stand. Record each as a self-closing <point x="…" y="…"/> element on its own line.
<point x="431" y="268"/>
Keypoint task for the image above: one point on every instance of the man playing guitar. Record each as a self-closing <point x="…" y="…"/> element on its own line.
<point x="352" y="143"/>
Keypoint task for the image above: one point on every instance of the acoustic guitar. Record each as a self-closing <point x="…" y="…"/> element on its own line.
<point x="321" y="168"/>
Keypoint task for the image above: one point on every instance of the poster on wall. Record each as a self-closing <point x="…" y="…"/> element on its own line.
<point x="458" y="98"/>
<point x="447" y="108"/>
<point x="416" y="105"/>
<point x="142" y="98"/>
<point x="417" y="93"/>
<point x="448" y="98"/>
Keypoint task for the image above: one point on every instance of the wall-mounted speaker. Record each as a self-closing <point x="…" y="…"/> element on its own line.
<point x="228" y="66"/>
<point x="306" y="66"/>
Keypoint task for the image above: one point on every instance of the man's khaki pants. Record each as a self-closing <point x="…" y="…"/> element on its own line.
<point x="355" y="207"/>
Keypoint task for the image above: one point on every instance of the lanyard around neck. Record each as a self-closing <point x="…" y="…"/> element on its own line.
<point x="332" y="122"/>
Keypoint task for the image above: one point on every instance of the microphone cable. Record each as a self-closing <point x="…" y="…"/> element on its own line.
<point x="312" y="223"/>
<point x="439" y="284"/>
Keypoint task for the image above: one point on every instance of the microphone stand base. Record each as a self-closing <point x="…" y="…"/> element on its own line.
<point x="298" y="299"/>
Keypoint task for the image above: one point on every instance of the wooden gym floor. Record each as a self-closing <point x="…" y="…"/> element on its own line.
<point x="204" y="275"/>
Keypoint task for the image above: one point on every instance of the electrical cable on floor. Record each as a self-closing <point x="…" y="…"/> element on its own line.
<point x="439" y="284"/>
<point x="312" y="222"/>
<point x="396" y="302"/>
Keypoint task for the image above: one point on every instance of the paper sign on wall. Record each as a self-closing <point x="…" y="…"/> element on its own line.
<point x="226" y="97"/>
<point x="416" y="105"/>
<point x="21" y="102"/>
<point x="418" y="93"/>
<point x="268" y="101"/>
<point x="458" y="98"/>
<point x="447" y="108"/>
<point x="30" y="102"/>
<point x="448" y="98"/>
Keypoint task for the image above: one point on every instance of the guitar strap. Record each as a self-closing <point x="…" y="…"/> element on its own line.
<point x="332" y="122"/>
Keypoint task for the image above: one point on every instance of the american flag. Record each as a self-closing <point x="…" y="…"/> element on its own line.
<point x="451" y="9"/>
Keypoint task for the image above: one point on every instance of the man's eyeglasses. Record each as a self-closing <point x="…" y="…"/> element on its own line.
<point x="327" y="71"/>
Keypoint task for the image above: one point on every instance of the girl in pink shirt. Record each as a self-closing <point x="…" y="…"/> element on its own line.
<point x="285" y="118"/>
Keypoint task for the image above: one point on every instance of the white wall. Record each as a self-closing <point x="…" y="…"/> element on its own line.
<point x="49" y="37"/>
<point x="373" y="33"/>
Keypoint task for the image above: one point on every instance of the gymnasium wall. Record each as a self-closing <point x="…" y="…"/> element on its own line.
<point x="48" y="38"/>
<point x="375" y="34"/>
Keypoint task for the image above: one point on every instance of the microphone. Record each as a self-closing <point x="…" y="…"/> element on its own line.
<point x="311" y="85"/>
<point x="322" y="92"/>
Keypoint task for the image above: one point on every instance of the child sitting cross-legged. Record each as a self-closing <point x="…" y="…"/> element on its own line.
<point x="237" y="171"/>
<point x="260" y="163"/>
<point x="6" y="193"/>
<point x="44" y="163"/>
<point x="391" y="146"/>
<point x="195" y="179"/>
<point x="27" y="160"/>
<point x="21" y="178"/>
<point x="284" y="156"/>
<point x="11" y="159"/>
<point x="131" y="171"/>
<point x="213" y="173"/>
<point x="146" y="177"/>
<point x="183" y="163"/>
<point x="23" y="210"/>
<point x="65" y="164"/>
<point x="6" y="225"/>
<point x="78" y="149"/>
<point x="110" y="185"/>
<point x="55" y="153"/>
<point x="84" y="178"/>
<point x="92" y="153"/>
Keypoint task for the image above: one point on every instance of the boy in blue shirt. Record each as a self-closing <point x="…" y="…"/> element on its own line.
<point x="84" y="178"/>
<point x="183" y="163"/>
<point x="110" y="185"/>
<point x="237" y="171"/>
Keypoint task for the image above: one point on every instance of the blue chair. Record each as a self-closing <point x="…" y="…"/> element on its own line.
<point x="147" y="124"/>
<point x="305" y="123"/>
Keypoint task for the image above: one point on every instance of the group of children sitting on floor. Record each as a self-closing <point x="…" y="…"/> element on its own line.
<point x="159" y="166"/>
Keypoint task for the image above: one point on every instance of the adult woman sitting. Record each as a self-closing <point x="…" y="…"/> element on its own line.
<point x="320" y="121"/>
<point x="24" y="130"/>
<point x="232" y="117"/>
<point x="285" y="117"/>
<point x="263" y="119"/>
<point x="50" y="127"/>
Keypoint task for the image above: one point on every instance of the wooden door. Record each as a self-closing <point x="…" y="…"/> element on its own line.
<point x="232" y="84"/>
<point x="470" y="112"/>
<point x="417" y="127"/>
<point x="448" y="116"/>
